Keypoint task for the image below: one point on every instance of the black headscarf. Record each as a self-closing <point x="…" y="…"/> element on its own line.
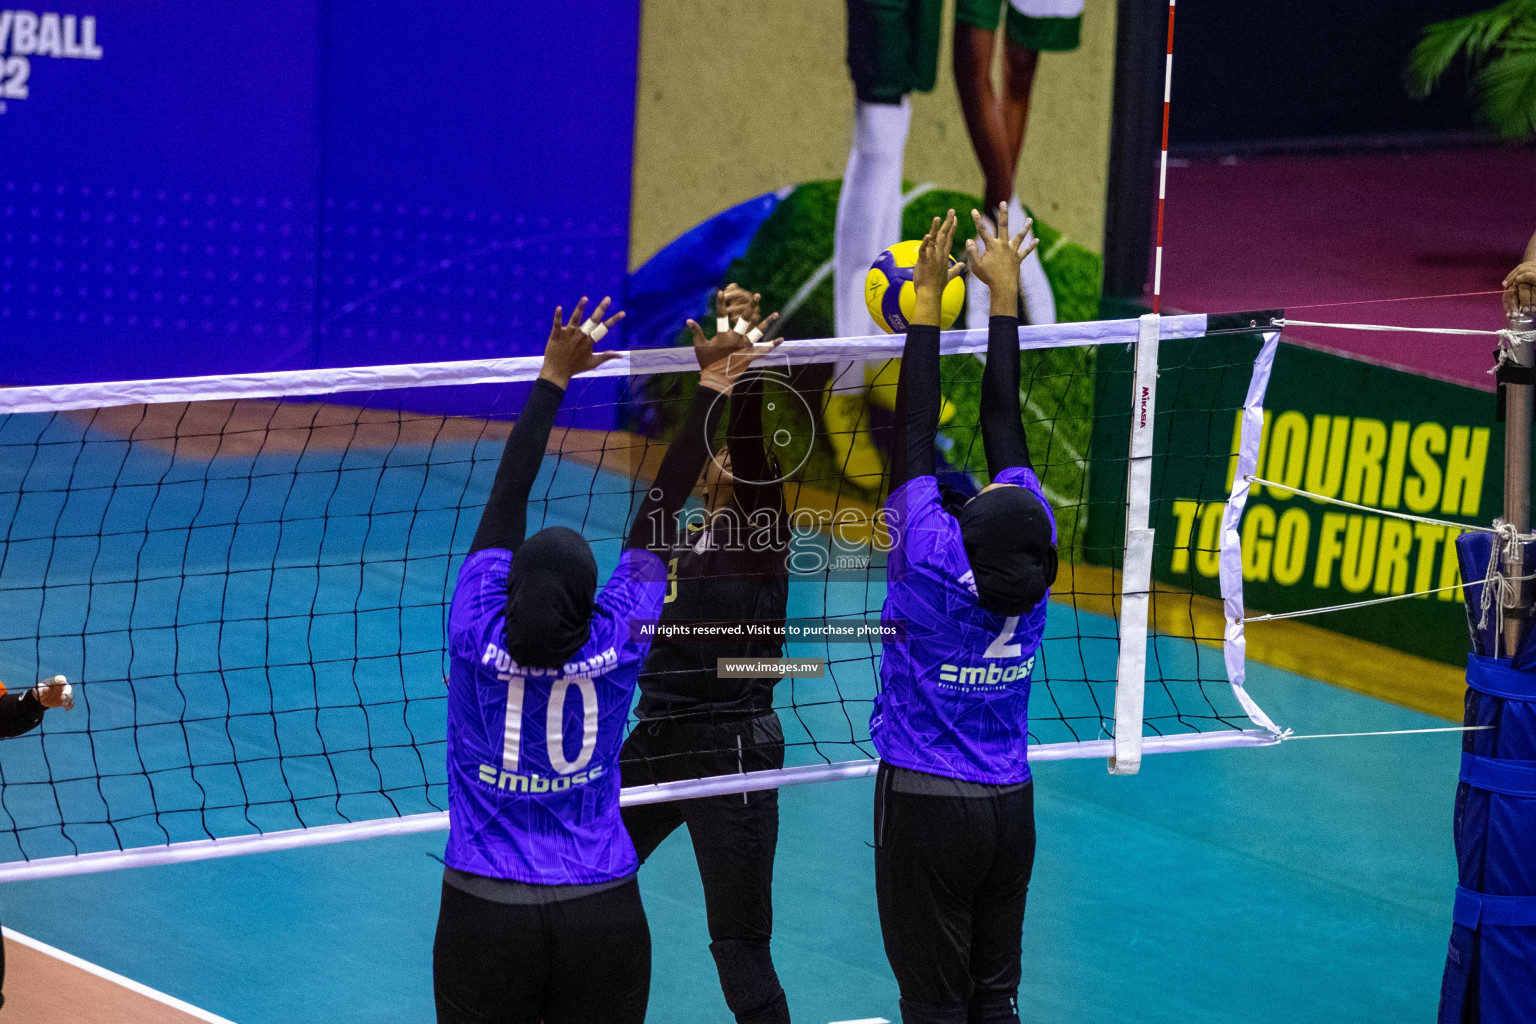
<point x="1007" y="537"/>
<point x="550" y="593"/>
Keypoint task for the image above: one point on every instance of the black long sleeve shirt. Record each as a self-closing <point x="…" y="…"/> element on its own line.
<point x="1002" y="419"/>
<point x="504" y="522"/>
<point x="20" y="713"/>
<point x="918" y="399"/>
<point x="732" y="571"/>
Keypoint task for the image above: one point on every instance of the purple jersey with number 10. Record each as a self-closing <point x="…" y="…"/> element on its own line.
<point x="954" y="697"/>
<point x="533" y="777"/>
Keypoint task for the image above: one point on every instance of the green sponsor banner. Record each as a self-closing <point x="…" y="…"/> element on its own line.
<point x="1365" y="434"/>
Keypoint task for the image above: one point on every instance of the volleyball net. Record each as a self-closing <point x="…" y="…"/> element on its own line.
<point x="247" y="576"/>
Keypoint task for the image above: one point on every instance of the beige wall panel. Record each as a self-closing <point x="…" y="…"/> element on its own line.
<point x="775" y="107"/>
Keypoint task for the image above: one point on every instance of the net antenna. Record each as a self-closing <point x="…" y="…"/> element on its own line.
<point x="247" y="575"/>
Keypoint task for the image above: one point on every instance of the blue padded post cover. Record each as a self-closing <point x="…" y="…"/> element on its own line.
<point x="1490" y="969"/>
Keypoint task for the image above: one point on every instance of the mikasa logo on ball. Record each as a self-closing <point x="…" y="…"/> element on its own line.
<point x="891" y="296"/>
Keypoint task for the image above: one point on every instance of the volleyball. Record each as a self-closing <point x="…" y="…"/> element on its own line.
<point x="889" y="293"/>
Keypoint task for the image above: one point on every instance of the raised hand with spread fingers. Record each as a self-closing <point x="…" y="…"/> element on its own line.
<point x="569" y="348"/>
<point x="995" y="259"/>
<point x="737" y="343"/>
<point x="933" y="271"/>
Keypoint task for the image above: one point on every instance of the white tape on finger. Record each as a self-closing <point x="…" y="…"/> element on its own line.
<point x="722" y="325"/>
<point x="754" y="336"/>
<point x="599" y="332"/>
<point x="742" y="325"/>
<point x="588" y="327"/>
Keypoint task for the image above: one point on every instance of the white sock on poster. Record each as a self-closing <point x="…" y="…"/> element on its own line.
<point x="978" y="297"/>
<point x="868" y="210"/>
<point x="1039" y="302"/>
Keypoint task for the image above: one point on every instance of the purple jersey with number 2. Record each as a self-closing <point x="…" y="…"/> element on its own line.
<point x="533" y="777"/>
<point x="954" y="698"/>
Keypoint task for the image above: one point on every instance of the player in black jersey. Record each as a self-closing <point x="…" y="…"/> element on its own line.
<point x="692" y="723"/>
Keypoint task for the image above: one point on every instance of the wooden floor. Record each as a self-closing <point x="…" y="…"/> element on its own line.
<point x="41" y="989"/>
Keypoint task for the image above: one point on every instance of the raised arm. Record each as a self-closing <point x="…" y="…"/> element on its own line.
<point x="722" y="361"/>
<point x="917" y="387"/>
<point x="995" y="261"/>
<point x="504" y="522"/>
<point x="756" y="484"/>
<point x="750" y="465"/>
<point x="1520" y="285"/>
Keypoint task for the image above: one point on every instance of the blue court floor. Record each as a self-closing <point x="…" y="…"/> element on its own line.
<point x="1310" y="882"/>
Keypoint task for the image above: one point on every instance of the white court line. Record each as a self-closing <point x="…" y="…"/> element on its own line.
<point x="116" y="979"/>
<point x="864" y="1020"/>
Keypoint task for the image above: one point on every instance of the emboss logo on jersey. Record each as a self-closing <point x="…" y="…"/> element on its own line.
<point x="976" y="676"/>
<point x="593" y="666"/>
<point x="533" y="782"/>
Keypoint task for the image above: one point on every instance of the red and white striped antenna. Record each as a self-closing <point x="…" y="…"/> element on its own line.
<point x="1162" y="175"/>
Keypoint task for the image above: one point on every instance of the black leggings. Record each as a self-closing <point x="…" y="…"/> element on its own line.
<point x="734" y="840"/>
<point x="951" y="875"/>
<point x="575" y="961"/>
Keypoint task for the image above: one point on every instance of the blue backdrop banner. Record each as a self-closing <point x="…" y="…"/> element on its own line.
<point x="193" y="188"/>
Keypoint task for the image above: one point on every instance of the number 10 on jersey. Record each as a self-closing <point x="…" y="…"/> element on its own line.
<point x="554" y="723"/>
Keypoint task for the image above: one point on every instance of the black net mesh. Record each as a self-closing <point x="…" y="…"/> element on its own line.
<point x="250" y="596"/>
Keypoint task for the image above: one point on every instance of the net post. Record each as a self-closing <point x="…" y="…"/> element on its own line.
<point x="1518" y="412"/>
<point x="1136" y="571"/>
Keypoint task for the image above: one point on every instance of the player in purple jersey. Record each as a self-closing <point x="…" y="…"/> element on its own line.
<point x="541" y="918"/>
<point x="954" y="805"/>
